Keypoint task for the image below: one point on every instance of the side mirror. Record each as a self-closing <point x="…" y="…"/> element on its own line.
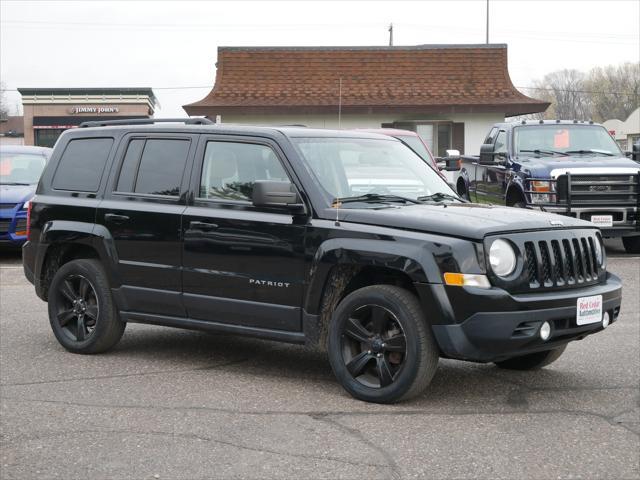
<point x="275" y="194"/>
<point x="486" y="154"/>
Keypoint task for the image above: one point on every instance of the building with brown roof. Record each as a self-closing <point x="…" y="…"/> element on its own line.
<point x="449" y="94"/>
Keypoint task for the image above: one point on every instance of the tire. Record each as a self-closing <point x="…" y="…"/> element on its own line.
<point x="91" y="325"/>
<point x="380" y="347"/>
<point x="462" y="191"/>
<point x="631" y="244"/>
<point x="533" y="361"/>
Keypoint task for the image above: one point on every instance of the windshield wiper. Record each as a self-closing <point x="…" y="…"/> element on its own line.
<point x="376" y="197"/>
<point x="439" y="196"/>
<point x="545" y="152"/>
<point x="14" y="183"/>
<point x="592" y="150"/>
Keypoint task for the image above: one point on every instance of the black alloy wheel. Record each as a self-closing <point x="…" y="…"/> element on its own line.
<point x="82" y="313"/>
<point x="78" y="307"/>
<point x="373" y="346"/>
<point x="380" y="345"/>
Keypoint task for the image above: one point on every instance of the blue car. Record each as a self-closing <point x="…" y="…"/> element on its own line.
<point x="20" y="169"/>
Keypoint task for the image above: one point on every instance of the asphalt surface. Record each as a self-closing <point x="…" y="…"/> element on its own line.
<point x="174" y="404"/>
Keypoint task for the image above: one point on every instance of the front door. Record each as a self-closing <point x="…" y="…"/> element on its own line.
<point x="142" y="211"/>
<point x="242" y="264"/>
<point x="491" y="179"/>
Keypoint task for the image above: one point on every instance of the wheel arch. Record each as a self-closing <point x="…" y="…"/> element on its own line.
<point x="515" y="193"/>
<point x="64" y="241"/>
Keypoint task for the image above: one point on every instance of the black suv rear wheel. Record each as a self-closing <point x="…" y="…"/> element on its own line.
<point x="81" y="311"/>
<point x="380" y="346"/>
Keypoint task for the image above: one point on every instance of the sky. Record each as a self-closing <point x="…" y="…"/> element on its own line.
<point x="171" y="46"/>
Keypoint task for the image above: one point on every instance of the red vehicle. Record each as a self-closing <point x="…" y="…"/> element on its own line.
<point x="411" y="140"/>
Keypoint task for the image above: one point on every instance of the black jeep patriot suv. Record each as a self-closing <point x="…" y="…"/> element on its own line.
<point x="342" y="239"/>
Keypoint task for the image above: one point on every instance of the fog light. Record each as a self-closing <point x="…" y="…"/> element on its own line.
<point x="606" y="320"/>
<point x="545" y="331"/>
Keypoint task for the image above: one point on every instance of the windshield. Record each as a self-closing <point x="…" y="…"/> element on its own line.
<point x="348" y="167"/>
<point x="563" y="139"/>
<point x="20" y="168"/>
<point x="417" y="146"/>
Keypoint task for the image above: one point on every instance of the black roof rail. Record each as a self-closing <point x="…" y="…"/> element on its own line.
<point x="147" y="121"/>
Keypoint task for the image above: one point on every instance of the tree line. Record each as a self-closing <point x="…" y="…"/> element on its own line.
<point x="601" y="94"/>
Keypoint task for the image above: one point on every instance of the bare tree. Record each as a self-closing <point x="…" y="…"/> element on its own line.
<point x="4" y="108"/>
<point x="613" y="90"/>
<point x="565" y="89"/>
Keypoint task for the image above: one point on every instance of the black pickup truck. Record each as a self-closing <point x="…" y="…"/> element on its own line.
<point x="570" y="168"/>
<point x="342" y="239"/>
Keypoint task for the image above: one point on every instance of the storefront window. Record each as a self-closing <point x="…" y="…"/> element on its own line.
<point x="437" y="136"/>
<point x="47" y="137"/>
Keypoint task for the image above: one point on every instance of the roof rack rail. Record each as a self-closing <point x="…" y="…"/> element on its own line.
<point x="147" y="121"/>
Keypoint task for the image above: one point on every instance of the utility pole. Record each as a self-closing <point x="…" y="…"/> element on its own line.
<point x="487" y="22"/>
<point x="391" y="34"/>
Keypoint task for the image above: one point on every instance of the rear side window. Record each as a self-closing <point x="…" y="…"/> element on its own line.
<point x="82" y="163"/>
<point x="153" y="166"/>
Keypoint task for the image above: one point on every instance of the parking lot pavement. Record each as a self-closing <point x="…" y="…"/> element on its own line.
<point x="174" y="404"/>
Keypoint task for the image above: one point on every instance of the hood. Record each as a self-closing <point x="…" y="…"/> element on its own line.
<point x="16" y="193"/>
<point x="542" y="167"/>
<point x="468" y="220"/>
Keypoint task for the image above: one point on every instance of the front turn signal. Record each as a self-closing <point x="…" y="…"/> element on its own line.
<point x="466" y="280"/>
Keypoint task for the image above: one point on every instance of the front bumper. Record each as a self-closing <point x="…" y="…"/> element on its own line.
<point x="492" y="325"/>
<point x="624" y="223"/>
<point x="13" y="228"/>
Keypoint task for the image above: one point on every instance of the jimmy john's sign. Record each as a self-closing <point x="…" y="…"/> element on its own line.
<point x="105" y="109"/>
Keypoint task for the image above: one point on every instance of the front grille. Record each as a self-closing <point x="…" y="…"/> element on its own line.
<point x="598" y="190"/>
<point x="552" y="260"/>
<point x="574" y="264"/>
<point x="4" y="226"/>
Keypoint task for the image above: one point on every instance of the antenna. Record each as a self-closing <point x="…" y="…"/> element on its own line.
<point x="391" y="34"/>
<point x="339" y="101"/>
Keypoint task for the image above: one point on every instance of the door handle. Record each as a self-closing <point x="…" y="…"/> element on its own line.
<point x="115" y="218"/>
<point x="204" y="226"/>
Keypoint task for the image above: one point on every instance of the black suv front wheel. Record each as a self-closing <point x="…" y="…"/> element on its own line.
<point x="81" y="311"/>
<point x="380" y="346"/>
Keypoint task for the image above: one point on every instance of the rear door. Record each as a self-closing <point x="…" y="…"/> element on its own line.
<point x="243" y="265"/>
<point x="142" y="211"/>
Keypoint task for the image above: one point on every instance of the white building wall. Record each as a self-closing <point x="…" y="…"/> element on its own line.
<point x="476" y="125"/>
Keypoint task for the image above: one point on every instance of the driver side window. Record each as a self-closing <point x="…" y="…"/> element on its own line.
<point x="501" y="143"/>
<point x="230" y="170"/>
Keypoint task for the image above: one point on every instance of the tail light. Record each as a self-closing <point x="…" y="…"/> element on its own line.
<point x="29" y="220"/>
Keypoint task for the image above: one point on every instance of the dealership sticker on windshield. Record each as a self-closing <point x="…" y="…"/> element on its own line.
<point x="589" y="310"/>
<point x="602" y="220"/>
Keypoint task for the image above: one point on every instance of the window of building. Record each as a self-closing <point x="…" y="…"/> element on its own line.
<point x="82" y="164"/>
<point x="154" y="166"/>
<point x="437" y="136"/>
<point x="47" y="137"/>
<point x="230" y="170"/>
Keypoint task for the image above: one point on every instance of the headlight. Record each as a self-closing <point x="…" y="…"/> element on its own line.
<point x="547" y="191"/>
<point x="25" y="206"/>
<point x="502" y="258"/>
<point x="599" y="250"/>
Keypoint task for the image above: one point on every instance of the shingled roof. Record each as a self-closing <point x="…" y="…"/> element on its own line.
<point x="424" y="78"/>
